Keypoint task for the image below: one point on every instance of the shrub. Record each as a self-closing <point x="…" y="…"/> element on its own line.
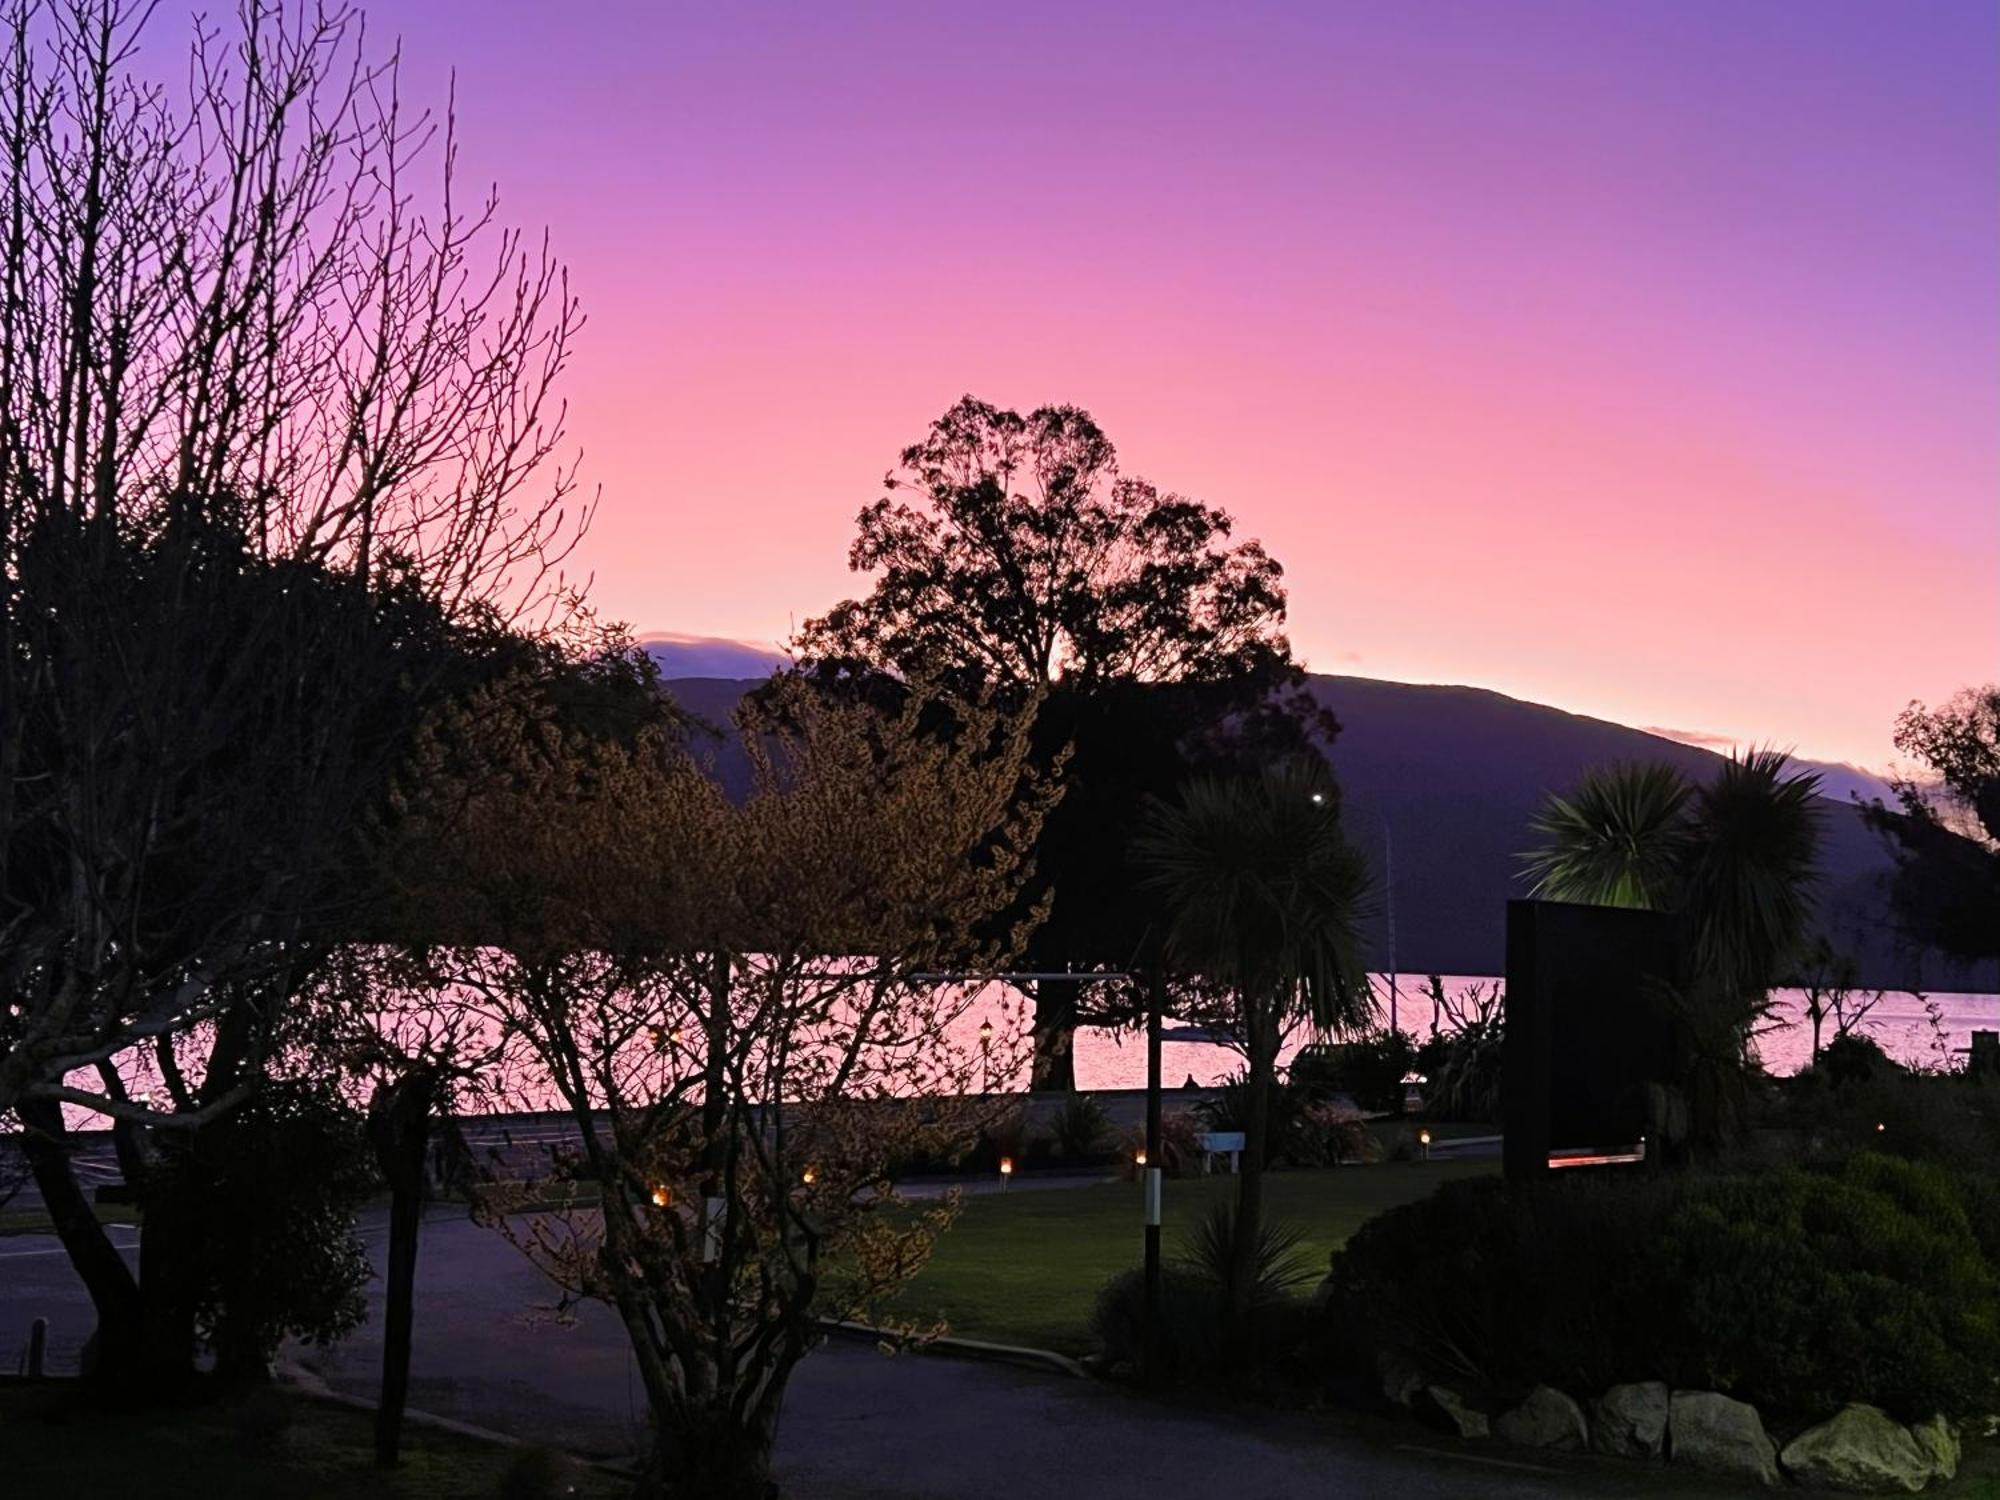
<point x="1369" y="1070"/>
<point x="1804" y="1290"/>
<point x="539" y="1474"/>
<point x="1463" y="1069"/>
<point x="1282" y="1267"/>
<point x="1284" y="1116"/>
<point x="1193" y="1318"/>
<point x="267" y="1196"/>
<point x="1007" y="1136"/>
<point x="1330" y="1133"/>
<point x="1507" y="1287"/>
<point x="1796" y="1290"/>
<point x="1080" y="1129"/>
<point x="1180" y="1142"/>
<point x="1854" y="1058"/>
<point x="260" y="1420"/>
<point x="1196" y="1336"/>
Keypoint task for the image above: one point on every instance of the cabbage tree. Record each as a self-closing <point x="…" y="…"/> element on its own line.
<point x="1264" y="900"/>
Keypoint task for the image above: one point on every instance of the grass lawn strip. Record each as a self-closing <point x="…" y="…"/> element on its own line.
<point x="1024" y="1267"/>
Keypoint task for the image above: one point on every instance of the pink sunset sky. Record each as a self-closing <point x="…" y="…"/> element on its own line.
<point x="1638" y="358"/>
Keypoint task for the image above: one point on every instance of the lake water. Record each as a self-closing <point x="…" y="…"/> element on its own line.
<point x="1900" y="1023"/>
<point x="1927" y="1030"/>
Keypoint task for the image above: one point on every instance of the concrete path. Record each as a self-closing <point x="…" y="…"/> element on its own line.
<point x="490" y="1351"/>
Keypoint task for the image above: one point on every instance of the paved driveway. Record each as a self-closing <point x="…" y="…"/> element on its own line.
<point x="859" y="1423"/>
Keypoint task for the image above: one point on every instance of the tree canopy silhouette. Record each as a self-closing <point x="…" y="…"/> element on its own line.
<point x="1946" y="828"/>
<point x="1013" y="557"/>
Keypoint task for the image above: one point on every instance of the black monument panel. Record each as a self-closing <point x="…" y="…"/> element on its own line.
<point x="1588" y="1027"/>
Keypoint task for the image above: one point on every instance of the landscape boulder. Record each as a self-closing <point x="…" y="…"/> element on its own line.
<point x="1547" y="1419"/>
<point x="1863" y="1450"/>
<point x="1939" y="1439"/>
<point x="1630" y="1421"/>
<point x="1707" y="1430"/>
<point x="1402" y="1377"/>
<point x="1443" y="1408"/>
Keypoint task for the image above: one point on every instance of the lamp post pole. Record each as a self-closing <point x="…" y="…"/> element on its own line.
<point x="1152" y="1174"/>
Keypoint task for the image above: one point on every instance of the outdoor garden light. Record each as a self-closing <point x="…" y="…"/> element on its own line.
<point x="1006" y="1170"/>
<point x="1138" y="1158"/>
<point x="1879" y="1127"/>
<point x="662" y="1196"/>
<point x="807" y="1177"/>
<point x="1424" y="1143"/>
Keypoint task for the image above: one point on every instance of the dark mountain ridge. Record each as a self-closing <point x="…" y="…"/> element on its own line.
<point x="1439" y="786"/>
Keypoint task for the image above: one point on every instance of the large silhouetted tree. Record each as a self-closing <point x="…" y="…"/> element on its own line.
<point x="1012" y="557"/>
<point x="1946" y="828"/>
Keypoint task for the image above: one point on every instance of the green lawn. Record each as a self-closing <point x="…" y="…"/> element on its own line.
<point x="1024" y="1267"/>
<point x="53" y="1448"/>
<point x="37" y="1222"/>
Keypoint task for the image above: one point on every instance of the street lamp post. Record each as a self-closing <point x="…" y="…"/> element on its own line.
<point x="1152" y="1173"/>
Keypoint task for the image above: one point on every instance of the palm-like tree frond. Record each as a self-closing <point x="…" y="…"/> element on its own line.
<point x="1265" y="894"/>
<point x="1617" y="840"/>
<point x="1752" y="858"/>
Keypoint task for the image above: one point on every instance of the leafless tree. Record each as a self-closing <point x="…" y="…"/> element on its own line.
<point x="258" y="354"/>
<point x="278" y="435"/>
<point x="1827" y="979"/>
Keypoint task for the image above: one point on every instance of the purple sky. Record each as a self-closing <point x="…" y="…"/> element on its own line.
<point x="1640" y="358"/>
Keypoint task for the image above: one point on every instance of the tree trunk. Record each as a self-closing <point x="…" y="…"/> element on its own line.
<point x="170" y="1266"/>
<point x="708" y="1455"/>
<point x="1054" y="1069"/>
<point x="113" y="1289"/>
<point x="399" y="1121"/>
<point x="1262" y="1069"/>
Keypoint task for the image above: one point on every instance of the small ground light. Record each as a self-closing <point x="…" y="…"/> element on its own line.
<point x="1138" y="1158"/>
<point x="1006" y="1170"/>
<point x="662" y="1196"/>
<point x="1880" y="1127"/>
<point x="1424" y="1141"/>
<point x="807" y="1176"/>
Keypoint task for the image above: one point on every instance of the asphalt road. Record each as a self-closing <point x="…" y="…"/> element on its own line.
<point x="490" y="1351"/>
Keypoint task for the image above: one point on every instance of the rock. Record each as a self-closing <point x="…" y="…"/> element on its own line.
<point x="1441" y="1407"/>
<point x="1940" y="1443"/>
<point x="1862" y="1450"/>
<point x="1706" y="1430"/>
<point x="1547" y="1419"/>
<point x="1401" y="1377"/>
<point x="1630" y="1420"/>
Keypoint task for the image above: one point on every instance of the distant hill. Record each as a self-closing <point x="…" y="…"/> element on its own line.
<point x="1440" y="783"/>
<point x="710" y="656"/>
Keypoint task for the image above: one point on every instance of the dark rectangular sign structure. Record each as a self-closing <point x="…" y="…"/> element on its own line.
<point x="1588" y="1029"/>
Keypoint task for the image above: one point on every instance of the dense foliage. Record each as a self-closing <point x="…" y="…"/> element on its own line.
<point x="1797" y="1289"/>
<point x="1946" y="827"/>
<point x="1200" y="1333"/>
<point x="267" y="1194"/>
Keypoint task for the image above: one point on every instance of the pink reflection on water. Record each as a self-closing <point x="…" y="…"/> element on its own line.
<point x="1925" y="1030"/>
